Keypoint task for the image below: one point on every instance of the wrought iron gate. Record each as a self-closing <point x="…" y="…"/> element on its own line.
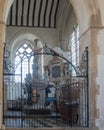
<point x="60" y="99"/>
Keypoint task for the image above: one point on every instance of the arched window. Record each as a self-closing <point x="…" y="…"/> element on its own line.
<point x="74" y="47"/>
<point x="24" y="60"/>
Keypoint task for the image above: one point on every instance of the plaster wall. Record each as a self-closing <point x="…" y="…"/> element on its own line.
<point x="48" y="36"/>
<point x="16" y="35"/>
<point x="66" y="26"/>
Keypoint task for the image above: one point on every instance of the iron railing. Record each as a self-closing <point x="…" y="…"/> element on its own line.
<point x="30" y="104"/>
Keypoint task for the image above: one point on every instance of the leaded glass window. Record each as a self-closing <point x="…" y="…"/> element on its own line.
<point x="24" y="60"/>
<point x="74" y="47"/>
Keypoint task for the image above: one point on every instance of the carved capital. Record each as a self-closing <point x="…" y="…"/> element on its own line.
<point x="2" y="32"/>
<point x="2" y="127"/>
<point x="2" y="22"/>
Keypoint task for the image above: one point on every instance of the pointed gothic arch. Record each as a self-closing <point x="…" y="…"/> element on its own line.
<point x="24" y="59"/>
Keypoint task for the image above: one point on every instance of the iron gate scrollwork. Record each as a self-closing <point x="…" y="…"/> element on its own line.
<point x="58" y="99"/>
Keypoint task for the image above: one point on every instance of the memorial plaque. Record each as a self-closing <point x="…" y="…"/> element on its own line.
<point x="56" y="72"/>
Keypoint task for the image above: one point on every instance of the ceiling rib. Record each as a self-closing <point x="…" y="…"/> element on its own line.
<point x="22" y="12"/>
<point x="16" y="12"/>
<point x="33" y="13"/>
<point x="28" y="10"/>
<point x="40" y="12"/>
<point x="56" y="13"/>
<point x="51" y="13"/>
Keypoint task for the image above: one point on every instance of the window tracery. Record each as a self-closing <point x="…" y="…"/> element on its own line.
<point x="24" y="60"/>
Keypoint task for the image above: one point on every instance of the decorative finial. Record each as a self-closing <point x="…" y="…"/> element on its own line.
<point x="45" y="44"/>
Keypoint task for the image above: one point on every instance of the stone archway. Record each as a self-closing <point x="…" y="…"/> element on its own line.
<point x="84" y="11"/>
<point x="89" y="17"/>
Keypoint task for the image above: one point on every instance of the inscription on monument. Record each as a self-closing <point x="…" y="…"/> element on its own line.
<point x="56" y="72"/>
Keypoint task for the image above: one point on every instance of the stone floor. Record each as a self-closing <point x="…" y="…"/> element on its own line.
<point x="20" y="120"/>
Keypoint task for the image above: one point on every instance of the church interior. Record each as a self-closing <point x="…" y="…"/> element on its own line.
<point x="51" y="64"/>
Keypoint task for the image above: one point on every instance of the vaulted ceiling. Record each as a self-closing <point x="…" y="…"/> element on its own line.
<point x="35" y="13"/>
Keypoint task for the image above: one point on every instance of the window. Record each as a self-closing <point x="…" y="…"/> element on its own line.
<point x="74" y="45"/>
<point x="24" y="60"/>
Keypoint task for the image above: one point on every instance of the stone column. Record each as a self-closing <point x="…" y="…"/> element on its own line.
<point x="2" y="37"/>
<point x="36" y="61"/>
<point x="100" y="80"/>
<point x="89" y="38"/>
